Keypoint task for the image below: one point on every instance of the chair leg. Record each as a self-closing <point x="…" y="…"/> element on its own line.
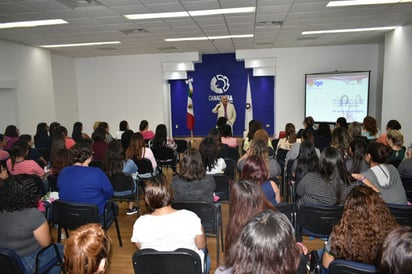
<point x="217" y="248"/>
<point x="59" y="234"/>
<point x="118" y="231"/>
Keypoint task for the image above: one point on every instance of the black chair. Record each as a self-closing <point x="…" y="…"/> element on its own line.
<point x="233" y="153"/>
<point x="52" y="179"/>
<point x="350" y="267"/>
<point x="402" y="213"/>
<point x="122" y="182"/>
<point x="289" y="211"/>
<point x="407" y="184"/>
<point x="97" y="163"/>
<point x="317" y="221"/>
<point x="231" y="169"/>
<point x="165" y="157"/>
<point x="180" y="261"/>
<point x="211" y="217"/>
<point x="10" y="262"/>
<point x="222" y="187"/>
<point x="280" y="158"/>
<point x="144" y="171"/>
<point x="73" y="215"/>
<point x="182" y="145"/>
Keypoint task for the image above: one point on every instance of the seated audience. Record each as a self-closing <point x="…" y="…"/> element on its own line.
<point x="246" y="200"/>
<point x="78" y="135"/>
<point x="165" y="228"/>
<point x="356" y="162"/>
<point x="330" y="185"/>
<point x="359" y="235"/>
<point x="307" y="161"/>
<point x="391" y="125"/>
<point x="108" y="137"/>
<point x="160" y="138"/>
<point x="137" y="150"/>
<point x="53" y="128"/>
<point x="126" y="137"/>
<point x="262" y="134"/>
<point x="11" y="135"/>
<point x="82" y="184"/>
<point x="209" y="150"/>
<point x="370" y="128"/>
<point x="224" y="150"/>
<point x="123" y="127"/>
<point x="17" y="164"/>
<point x="227" y="137"/>
<point x="255" y="169"/>
<point x="405" y="167"/>
<point x="293" y="153"/>
<point x="289" y="139"/>
<point x="33" y="153"/>
<point x="383" y="178"/>
<point x="42" y="139"/>
<point x="99" y="144"/>
<point x="87" y="250"/>
<point x="355" y="132"/>
<point x="144" y="130"/>
<point x="23" y="227"/>
<point x="62" y="131"/>
<point x="266" y="245"/>
<point x="397" y="252"/>
<point x="3" y="153"/>
<point x="341" y="122"/>
<point x="308" y="124"/>
<point x="58" y="154"/>
<point x="254" y="125"/>
<point x="394" y="139"/>
<point x="115" y="165"/>
<point x="340" y="139"/>
<point x="259" y="148"/>
<point x="322" y="137"/>
<point x="192" y="183"/>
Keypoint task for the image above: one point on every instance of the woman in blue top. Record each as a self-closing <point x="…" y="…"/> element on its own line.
<point x="79" y="183"/>
<point x="255" y="169"/>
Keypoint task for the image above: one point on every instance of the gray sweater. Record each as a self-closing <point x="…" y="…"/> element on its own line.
<point x="386" y="178"/>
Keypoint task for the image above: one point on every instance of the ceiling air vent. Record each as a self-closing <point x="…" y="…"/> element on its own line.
<point x="269" y="23"/>
<point x="167" y="48"/>
<point x="134" y="31"/>
<point x="79" y="3"/>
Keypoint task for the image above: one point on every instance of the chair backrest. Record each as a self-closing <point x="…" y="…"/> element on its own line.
<point x="144" y="166"/>
<point x="207" y="212"/>
<point x="163" y="153"/>
<point x="233" y="153"/>
<point x="288" y="210"/>
<point x="182" y="145"/>
<point x="52" y="179"/>
<point x="122" y="182"/>
<point x="10" y="262"/>
<point x="73" y="215"/>
<point x="350" y="267"/>
<point x="45" y="152"/>
<point x="180" y="261"/>
<point x="402" y="213"/>
<point x="407" y="184"/>
<point x="317" y="221"/>
<point x="222" y="186"/>
<point x="281" y="156"/>
<point x="231" y="169"/>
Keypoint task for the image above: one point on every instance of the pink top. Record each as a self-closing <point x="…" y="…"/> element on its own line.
<point x="147" y="134"/>
<point x="69" y="142"/>
<point x="25" y="167"/>
<point x="4" y="154"/>
<point x="230" y="141"/>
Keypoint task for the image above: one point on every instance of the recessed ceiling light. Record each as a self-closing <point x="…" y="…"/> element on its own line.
<point x="188" y="13"/>
<point x="364" y="2"/>
<point x="80" y="44"/>
<point x="347" y="30"/>
<point x="34" y="23"/>
<point x="201" y="38"/>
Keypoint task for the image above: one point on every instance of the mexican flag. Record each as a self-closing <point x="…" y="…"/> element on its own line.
<point x="190" y="115"/>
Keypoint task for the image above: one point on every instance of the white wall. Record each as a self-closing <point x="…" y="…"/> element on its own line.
<point x="65" y="90"/>
<point x="30" y="69"/>
<point x="397" y="80"/>
<point x="293" y="63"/>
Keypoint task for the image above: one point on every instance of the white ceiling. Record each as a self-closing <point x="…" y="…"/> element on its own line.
<point x="103" y="20"/>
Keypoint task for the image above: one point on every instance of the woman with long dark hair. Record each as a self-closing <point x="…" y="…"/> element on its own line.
<point x="11" y="135"/>
<point x="17" y="164"/>
<point x="330" y="185"/>
<point x="306" y="162"/>
<point x="160" y="139"/>
<point x="137" y="150"/>
<point x="359" y="234"/>
<point x="356" y="163"/>
<point x="78" y="135"/>
<point x="255" y="169"/>
<point x="115" y="165"/>
<point x="42" y="138"/>
<point x="209" y="149"/>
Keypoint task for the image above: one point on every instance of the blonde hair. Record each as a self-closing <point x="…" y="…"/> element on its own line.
<point x="85" y="249"/>
<point x="395" y="136"/>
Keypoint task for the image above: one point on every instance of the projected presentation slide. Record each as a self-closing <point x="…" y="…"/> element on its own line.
<point x="329" y="96"/>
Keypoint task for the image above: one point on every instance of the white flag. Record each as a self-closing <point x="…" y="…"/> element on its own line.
<point x="248" y="108"/>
